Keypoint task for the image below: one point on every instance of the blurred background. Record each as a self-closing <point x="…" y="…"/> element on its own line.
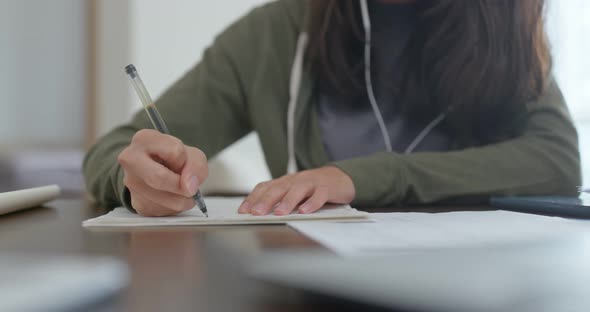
<point x="62" y="83"/>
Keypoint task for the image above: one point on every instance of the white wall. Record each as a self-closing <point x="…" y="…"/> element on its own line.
<point x="568" y="28"/>
<point x="42" y="72"/>
<point x="168" y="37"/>
<point x="162" y="38"/>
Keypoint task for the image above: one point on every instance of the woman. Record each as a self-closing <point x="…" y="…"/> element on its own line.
<point x="374" y="102"/>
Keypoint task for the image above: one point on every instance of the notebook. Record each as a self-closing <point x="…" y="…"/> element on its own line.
<point x="222" y="211"/>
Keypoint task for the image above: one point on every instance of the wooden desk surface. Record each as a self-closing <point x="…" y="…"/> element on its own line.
<point x="172" y="269"/>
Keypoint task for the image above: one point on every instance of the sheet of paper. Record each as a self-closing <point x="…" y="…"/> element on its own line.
<point x="222" y="211"/>
<point x="394" y="232"/>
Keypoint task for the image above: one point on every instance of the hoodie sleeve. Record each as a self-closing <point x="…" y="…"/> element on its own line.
<point x="543" y="160"/>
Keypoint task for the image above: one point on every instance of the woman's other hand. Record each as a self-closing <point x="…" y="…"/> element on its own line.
<point x="304" y="192"/>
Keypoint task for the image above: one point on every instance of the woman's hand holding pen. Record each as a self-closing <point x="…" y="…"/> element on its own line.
<point x="161" y="173"/>
<point x="305" y="192"/>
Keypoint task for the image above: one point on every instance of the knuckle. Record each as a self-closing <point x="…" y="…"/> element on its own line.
<point x="177" y="147"/>
<point x="303" y="175"/>
<point x="278" y="189"/>
<point x="142" y="135"/>
<point x="284" y="178"/>
<point x="266" y="199"/>
<point x="123" y="157"/>
<point x="201" y="155"/>
<point x="290" y="201"/>
<point x="174" y="149"/>
<point x="261" y="186"/>
<point x="198" y="160"/>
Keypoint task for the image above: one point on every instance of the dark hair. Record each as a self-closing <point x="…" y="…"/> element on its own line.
<point x="485" y="59"/>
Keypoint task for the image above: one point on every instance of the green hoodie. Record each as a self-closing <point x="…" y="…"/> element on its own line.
<point x="242" y="85"/>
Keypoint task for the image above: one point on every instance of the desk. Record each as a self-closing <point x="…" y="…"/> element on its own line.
<point x="172" y="269"/>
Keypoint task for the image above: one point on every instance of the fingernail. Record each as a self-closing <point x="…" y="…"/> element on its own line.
<point x="258" y="209"/>
<point x="193" y="185"/>
<point x="304" y="208"/>
<point x="281" y="209"/>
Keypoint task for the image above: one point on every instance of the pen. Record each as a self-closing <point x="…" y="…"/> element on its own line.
<point x="156" y="119"/>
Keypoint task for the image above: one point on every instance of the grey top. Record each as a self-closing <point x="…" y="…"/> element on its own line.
<point x="348" y="125"/>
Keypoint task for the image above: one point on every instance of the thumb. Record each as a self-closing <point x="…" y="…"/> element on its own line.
<point x="194" y="171"/>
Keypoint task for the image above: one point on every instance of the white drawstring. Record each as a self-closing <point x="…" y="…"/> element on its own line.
<point x="369" y="79"/>
<point x="294" y="86"/>
<point x="424" y="133"/>
<point x="371" y="92"/>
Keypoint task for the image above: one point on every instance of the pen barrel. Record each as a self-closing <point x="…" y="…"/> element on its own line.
<point x="156" y="119"/>
<point x="146" y="99"/>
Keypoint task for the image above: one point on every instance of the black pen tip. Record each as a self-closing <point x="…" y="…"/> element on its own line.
<point x="130" y="70"/>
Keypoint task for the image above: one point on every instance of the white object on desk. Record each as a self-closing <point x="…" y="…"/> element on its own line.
<point x="400" y="232"/>
<point x="27" y="198"/>
<point x="41" y="282"/>
<point x="222" y="211"/>
<point x="520" y="277"/>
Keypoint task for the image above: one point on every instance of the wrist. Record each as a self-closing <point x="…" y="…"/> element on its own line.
<point x="339" y="183"/>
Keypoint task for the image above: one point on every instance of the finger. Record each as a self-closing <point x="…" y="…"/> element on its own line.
<point x="315" y="202"/>
<point x="265" y="203"/>
<point x="171" y="201"/>
<point x="259" y="189"/>
<point x="293" y="198"/>
<point x="194" y="172"/>
<point x="154" y="174"/>
<point x="147" y="208"/>
<point x="170" y="150"/>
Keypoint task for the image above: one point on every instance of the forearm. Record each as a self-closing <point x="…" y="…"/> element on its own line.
<point x="521" y="166"/>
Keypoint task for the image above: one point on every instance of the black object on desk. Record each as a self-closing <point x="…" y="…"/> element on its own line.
<point x="558" y="206"/>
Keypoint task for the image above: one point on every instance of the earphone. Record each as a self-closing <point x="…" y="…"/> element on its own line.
<point x="295" y="85"/>
<point x="371" y="91"/>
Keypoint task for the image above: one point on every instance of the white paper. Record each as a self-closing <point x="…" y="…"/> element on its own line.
<point x="222" y="211"/>
<point x="393" y="232"/>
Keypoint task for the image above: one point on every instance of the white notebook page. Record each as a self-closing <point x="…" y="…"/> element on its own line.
<point x="222" y="211"/>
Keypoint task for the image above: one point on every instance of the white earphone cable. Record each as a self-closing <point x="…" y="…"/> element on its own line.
<point x="294" y="86"/>
<point x="424" y="133"/>
<point x="368" y="78"/>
